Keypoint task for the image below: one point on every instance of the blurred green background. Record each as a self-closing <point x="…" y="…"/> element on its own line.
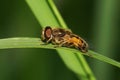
<point x="97" y="21"/>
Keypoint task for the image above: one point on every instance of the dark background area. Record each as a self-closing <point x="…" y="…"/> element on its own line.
<point x="86" y="18"/>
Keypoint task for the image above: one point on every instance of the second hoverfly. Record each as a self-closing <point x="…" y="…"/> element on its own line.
<point x="63" y="37"/>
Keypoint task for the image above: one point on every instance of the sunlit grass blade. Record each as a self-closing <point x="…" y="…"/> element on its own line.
<point x="57" y="14"/>
<point x="42" y="12"/>
<point x="50" y="16"/>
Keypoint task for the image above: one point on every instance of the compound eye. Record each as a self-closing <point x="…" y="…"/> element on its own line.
<point x="48" y="32"/>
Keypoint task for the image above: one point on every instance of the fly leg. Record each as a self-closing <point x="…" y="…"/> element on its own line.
<point x="62" y="43"/>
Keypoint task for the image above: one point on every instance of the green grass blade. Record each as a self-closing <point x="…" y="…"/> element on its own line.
<point x="41" y="14"/>
<point x="10" y="43"/>
<point x="105" y="34"/>
<point x="79" y="57"/>
<point x="104" y="59"/>
<point x="57" y="14"/>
